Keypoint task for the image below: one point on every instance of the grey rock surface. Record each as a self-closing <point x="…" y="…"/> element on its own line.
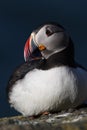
<point x="65" y="120"/>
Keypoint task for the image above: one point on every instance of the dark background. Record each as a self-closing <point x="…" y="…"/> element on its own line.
<point x="18" y="18"/>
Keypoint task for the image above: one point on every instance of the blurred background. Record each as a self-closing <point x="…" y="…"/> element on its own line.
<point x="17" y="20"/>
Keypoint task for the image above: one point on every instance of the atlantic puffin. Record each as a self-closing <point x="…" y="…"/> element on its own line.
<point x="50" y="79"/>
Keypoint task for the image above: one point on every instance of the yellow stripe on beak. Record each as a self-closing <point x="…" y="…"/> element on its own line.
<point x="41" y="47"/>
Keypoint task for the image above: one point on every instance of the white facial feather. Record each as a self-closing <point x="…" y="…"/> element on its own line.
<point x="56" y="41"/>
<point x="54" y="89"/>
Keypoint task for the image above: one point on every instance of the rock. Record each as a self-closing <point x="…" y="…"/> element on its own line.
<point x="65" y="120"/>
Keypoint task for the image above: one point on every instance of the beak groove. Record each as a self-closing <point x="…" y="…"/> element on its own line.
<point x="26" y="49"/>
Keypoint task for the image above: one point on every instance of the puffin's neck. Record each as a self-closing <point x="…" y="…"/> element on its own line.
<point x="63" y="58"/>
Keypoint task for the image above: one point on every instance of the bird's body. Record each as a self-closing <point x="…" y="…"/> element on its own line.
<point x="55" y="89"/>
<point x="51" y="84"/>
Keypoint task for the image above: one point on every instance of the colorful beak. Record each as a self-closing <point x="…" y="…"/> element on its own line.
<point x="31" y="50"/>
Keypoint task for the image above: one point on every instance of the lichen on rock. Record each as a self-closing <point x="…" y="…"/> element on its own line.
<point x="65" y="120"/>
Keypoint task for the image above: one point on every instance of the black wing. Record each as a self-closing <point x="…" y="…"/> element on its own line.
<point x="21" y="71"/>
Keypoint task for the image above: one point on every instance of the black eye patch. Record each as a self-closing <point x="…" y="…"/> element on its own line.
<point x="48" y="32"/>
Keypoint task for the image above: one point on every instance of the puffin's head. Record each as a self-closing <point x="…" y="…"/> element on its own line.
<point x="45" y="41"/>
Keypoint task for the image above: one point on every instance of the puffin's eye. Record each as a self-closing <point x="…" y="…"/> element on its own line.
<point x="48" y="32"/>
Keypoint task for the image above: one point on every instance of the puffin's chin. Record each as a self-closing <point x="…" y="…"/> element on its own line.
<point x="35" y="55"/>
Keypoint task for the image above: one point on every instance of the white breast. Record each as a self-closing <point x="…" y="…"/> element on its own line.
<point x="49" y="90"/>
